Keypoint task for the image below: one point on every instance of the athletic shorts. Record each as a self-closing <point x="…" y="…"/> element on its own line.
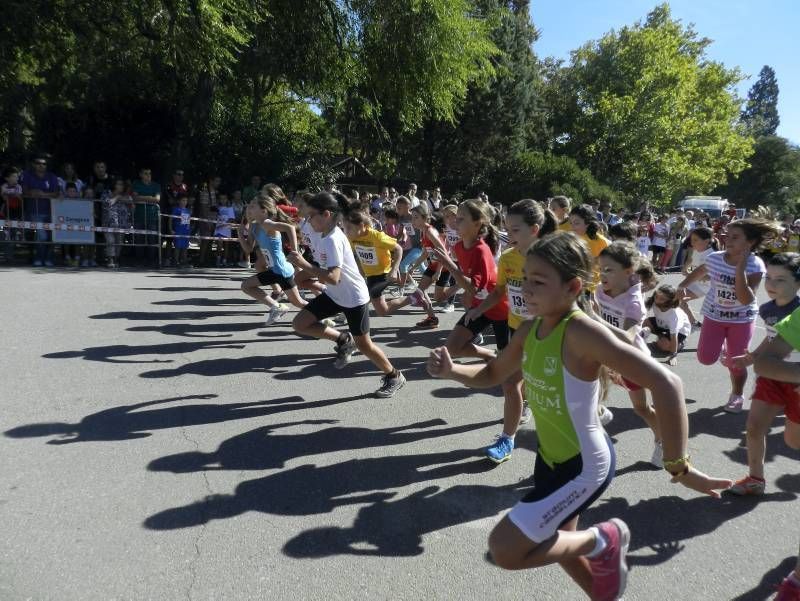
<point x="409" y="258"/>
<point x="559" y="494"/>
<point x="665" y="333"/>
<point x="267" y="278"/>
<point x="445" y="279"/>
<point x="657" y="249"/>
<point x="431" y="270"/>
<point x="499" y="326"/>
<point x="377" y="284"/>
<point x="781" y="394"/>
<point x="323" y="307"/>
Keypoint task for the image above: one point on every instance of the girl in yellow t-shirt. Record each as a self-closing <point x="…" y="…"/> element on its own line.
<point x="378" y="256"/>
<point x="585" y="225"/>
<point x="526" y="222"/>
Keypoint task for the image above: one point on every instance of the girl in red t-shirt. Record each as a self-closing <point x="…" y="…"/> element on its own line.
<point x="476" y="274"/>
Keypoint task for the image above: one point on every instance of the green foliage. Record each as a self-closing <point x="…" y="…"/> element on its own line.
<point x="773" y="177"/>
<point x="760" y="115"/>
<point x="646" y="111"/>
<point x="541" y="175"/>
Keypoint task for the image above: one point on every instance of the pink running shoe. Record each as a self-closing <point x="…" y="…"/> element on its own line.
<point x="788" y="591"/>
<point x="609" y="569"/>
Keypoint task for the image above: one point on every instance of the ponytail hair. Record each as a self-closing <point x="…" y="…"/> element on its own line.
<point x="483" y="212"/>
<point x="756" y="231"/>
<point x="334" y="202"/>
<point x="532" y="213"/>
<point x="589" y="217"/>
<point x="274" y="212"/>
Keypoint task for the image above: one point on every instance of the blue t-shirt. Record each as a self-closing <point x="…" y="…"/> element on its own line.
<point x="48" y="183"/>
<point x="272" y="251"/>
<point x="771" y="313"/>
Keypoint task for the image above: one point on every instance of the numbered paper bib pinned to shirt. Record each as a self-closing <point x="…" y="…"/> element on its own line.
<point x="516" y="301"/>
<point x="409" y="229"/>
<point x="367" y="255"/>
<point x="267" y="258"/>
<point x="184" y="218"/>
<point x="726" y="295"/>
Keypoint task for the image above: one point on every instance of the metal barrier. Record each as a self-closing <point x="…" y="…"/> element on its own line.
<point x="69" y="222"/>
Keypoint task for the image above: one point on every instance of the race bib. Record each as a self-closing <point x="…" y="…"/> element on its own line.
<point x="184" y="218"/>
<point x="267" y="258"/>
<point x="367" y="255"/>
<point x="613" y="319"/>
<point x="726" y="295"/>
<point x="516" y="301"/>
<point x="452" y="237"/>
<point x="409" y="229"/>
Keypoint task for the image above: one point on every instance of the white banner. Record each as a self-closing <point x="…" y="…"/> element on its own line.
<point x="77" y="217"/>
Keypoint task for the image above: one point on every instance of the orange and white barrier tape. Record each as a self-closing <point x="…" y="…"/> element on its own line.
<point x="64" y="227"/>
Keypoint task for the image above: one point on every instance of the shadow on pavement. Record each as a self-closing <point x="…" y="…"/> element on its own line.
<point x="205" y="330"/>
<point x="191" y="289"/>
<point x="172" y="315"/>
<point x="207" y="302"/>
<point x="765" y="589"/>
<point x="139" y="420"/>
<point x="661" y="524"/>
<point x="716" y="422"/>
<point x="262" y="449"/>
<point x="113" y="353"/>
<point x="311" y="490"/>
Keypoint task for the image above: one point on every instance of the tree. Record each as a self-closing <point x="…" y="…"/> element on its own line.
<point x="647" y="112"/>
<point x="761" y="111"/>
<point x="773" y="177"/>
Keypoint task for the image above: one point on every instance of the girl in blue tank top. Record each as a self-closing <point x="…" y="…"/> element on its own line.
<point x="562" y="352"/>
<point x="267" y="224"/>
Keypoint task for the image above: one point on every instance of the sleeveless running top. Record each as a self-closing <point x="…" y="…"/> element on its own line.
<point x="564" y="407"/>
<point x="271" y="249"/>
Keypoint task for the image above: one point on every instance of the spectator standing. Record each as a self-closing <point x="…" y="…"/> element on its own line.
<point x="180" y="225"/>
<point x="175" y="189"/>
<point x="11" y="201"/>
<point x="225" y="217"/>
<point x="412" y="195"/>
<point x="69" y="176"/>
<point x="250" y="192"/>
<point x="436" y="198"/>
<point x="608" y="217"/>
<point x="146" y="214"/>
<point x="39" y="186"/>
<point x="116" y="214"/>
<point x="206" y="209"/>
<point x="97" y="186"/>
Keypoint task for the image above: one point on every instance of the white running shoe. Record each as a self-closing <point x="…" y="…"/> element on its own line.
<point x="657" y="458"/>
<point x="447" y="308"/>
<point x="734" y="404"/>
<point x="606" y="417"/>
<point x="276" y="313"/>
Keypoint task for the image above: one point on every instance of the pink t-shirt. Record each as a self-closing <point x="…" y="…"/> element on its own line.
<point x="618" y="309"/>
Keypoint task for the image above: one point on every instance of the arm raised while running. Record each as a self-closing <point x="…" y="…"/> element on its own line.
<point x="286" y="228"/>
<point x="497" y="371"/>
<point x="588" y="345"/>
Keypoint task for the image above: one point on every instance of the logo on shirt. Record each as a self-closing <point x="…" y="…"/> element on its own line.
<point x="550" y="366"/>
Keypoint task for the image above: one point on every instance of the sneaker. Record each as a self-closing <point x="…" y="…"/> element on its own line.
<point x="657" y="458"/>
<point x="344" y="351"/>
<point x="448" y="308"/>
<point x="244" y="264"/>
<point x="37" y="263"/>
<point x="527" y="414"/>
<point x="390" y="385"/>
<point x="609" y="569"/>
<point x="734" y="404"/>
<point x="500" y="450"/>
<point x="605" y="415"/>
<point x="339" y="319"/>
<point x="696" y="326"/>
<point x="748" y="486"/>
<point x="788" y="591"/>
<point x="478" y="340"/>
<point x="429" y="323"/>
<point x="279" y="296"/>
<point x="276" y="313"/>
<point x="328" y="322"/>
<point x="420" y="299"/>
<point x="410" y="288"/>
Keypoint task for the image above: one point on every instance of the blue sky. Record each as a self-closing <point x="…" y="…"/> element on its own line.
<point x="745" y="33"/>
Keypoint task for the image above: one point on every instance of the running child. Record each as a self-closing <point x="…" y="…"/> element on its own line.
<point x="770" y="397"/>
<point x="447" y="294"/>
<point x="659" y="236"/>
<point x="669" y="323"/>
<point x="409" y="239"/>
<point x="561" y="353"/>
<point x="730" y="307"/>
<point x="267" y="224"/>
<point x="476" y="274"/>
<point x="702" y="242"/>
<point x="621" y="305"/>
<point x="346" y="292"/>
<point x="378" y="256"/>
<point x="585" y="225"/>
<point x="526" y="222"/>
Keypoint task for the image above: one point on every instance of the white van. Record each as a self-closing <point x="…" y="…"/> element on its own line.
<point x="713" y="205"/>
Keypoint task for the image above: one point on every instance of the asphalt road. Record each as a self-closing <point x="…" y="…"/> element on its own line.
<point x="160" y="443"/>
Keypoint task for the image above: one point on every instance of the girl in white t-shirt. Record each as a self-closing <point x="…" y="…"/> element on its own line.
<point x="701" y="240"/>
<point x="730" y="308"/>
<point x="345" y="292"/>
<point x="669" y="322"/>
<point x="659" y="244"/>
<point x="621" y="306"/>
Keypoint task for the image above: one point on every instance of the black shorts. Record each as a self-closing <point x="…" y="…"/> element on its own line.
<point x="377" y="284"/>
<point x="323" y="307"/>
<point x="500" y="327"/>
<point x="665" y="333"/>
<point x="267" y="278"/>
<point x="657" y="249"/>
<point x="445" y="279"/>
<point x="430" y="271"/>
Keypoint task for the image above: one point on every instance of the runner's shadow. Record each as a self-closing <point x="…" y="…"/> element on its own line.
<point x="276" y="365"/>
<point x="115" y="353"/>
<point x="190" y="289"/>
<point x="396" y="528"/>
<point x="715" y="421"/>
<point x="662" y="524"/>
<point x="200" y="330"/>
<point x="139" y="420"/>
<point x="775" y="448"/>
<point x="205" y="302"/>
<point x="460" y="392"/>
<point x="312" y="490"/>
<point x="172" y="315"/>
<point x="262" y="449"/>
<point x="766" y="587"/>
<point x="789" y="483"/>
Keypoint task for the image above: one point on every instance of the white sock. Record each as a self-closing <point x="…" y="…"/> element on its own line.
<point x="599" y="543"/>
<point x="504" y="435"/>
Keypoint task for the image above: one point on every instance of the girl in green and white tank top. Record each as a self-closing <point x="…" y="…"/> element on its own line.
<point x="562" y="353"/>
